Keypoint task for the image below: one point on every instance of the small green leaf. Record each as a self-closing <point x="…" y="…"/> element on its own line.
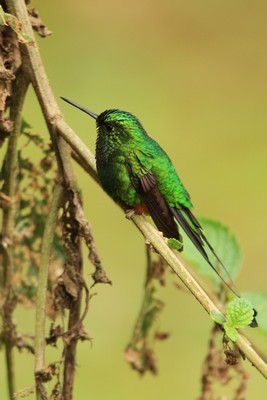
<point x="225" y="245"/>
<point x="239" y="313"/>
<point x="175" y="244"/>
<point x="259" y="302"/>
<point x="230" y="331"/>
<point x="218" y="317"/>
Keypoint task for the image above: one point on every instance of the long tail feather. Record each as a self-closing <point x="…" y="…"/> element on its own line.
<point x="194" y="231"/>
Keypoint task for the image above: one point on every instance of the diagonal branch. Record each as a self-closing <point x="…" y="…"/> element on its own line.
<point x="173" y="260"/>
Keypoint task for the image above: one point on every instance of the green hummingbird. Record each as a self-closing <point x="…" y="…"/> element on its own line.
<point x="137" y="173"/>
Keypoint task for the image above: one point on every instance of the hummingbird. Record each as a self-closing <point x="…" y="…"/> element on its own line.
<point x="137" y="173"/>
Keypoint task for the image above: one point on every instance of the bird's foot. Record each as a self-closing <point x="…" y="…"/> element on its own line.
<point x="150" y="246"/>
<point x="129" y="213"/>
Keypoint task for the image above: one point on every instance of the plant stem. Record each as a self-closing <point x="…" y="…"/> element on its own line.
<point x="70" y="352"/>
<point x="11" y="170"/>
<point x="47" y="244"/>
<point x="10" y="186"/>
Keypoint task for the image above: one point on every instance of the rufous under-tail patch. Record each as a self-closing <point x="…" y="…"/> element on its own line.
<point x="141" y="209"/>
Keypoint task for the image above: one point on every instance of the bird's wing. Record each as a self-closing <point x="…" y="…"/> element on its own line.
<point x="146" y="185"/>
<point x="147" y="188"/>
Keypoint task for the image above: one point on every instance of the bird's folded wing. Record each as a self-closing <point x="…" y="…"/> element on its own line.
<point x="157" y="206"/>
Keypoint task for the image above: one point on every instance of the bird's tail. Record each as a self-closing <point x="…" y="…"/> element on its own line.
<point x="194" y="231"/>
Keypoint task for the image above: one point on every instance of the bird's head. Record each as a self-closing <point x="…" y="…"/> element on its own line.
<point x="119" y="123"/>
<point x="116" y="124"/>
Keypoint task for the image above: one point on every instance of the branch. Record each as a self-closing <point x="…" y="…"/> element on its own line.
<point x="47" y="245"/>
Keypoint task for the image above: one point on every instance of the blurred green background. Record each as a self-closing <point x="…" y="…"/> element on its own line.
<point x="195" y="73"/>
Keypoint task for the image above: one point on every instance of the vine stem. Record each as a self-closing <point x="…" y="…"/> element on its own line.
<point x="47" y="245"/>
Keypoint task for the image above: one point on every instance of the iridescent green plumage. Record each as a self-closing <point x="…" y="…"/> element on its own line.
<point x="127" y="158"/>
<point x="134" y="170"/>
<point x="125" y="154"/>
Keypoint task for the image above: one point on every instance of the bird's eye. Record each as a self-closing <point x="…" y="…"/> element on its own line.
<point x="109" y="128"/>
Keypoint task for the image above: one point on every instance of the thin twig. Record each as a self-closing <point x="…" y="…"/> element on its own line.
<point x="139" y="352"/>
<point x="47" y="244"/>
<point x="73" y="271"/>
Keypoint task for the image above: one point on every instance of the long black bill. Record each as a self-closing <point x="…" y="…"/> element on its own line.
<point x="92" y="114"/>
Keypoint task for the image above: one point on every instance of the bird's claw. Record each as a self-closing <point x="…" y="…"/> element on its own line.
<point x="150" y="246"/>
<point x="129" y="213"/>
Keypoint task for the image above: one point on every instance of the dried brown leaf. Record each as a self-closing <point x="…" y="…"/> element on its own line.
<point x="218" y="371"/>
<point x="38" y="24"/>
<point x="141" y="361"/>
<point x="157" y="271"/>
<point x="100" y="276"/>
<point x="162" y="335"/>
<point x="54" y="333"/>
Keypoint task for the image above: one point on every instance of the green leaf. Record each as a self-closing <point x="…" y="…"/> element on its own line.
<point x="230" y="331"/>
<point x="218" y="317"/>
<point x="175" y="244"/>
<point x="259" y="302"/>
<point x="239" y="313"/>
<point x="225" y="245"/>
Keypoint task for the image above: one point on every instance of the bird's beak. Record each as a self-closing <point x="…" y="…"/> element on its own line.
<point x="92" y="114"/>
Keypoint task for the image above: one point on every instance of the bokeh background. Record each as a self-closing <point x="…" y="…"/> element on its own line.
<point x="195" y="73"/>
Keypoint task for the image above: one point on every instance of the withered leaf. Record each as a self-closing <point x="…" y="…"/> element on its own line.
<point x="38" y="24"/>
<point x="162" y="335"/>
